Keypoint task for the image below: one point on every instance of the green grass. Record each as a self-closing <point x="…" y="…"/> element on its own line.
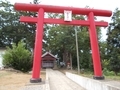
<point x="106" y="77"/>
<point x="89" y="74"/>
<point x="113" y="78"/>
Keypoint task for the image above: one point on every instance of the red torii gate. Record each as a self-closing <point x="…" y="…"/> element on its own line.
<point x="40" y="20"/>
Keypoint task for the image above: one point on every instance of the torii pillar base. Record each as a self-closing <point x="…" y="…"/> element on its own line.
<point x="35" y="80"/>
<point x="98" y="77"/>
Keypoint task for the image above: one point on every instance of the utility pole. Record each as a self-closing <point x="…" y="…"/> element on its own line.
<point x="71" y="61"/>
<point x="78" y="64"/>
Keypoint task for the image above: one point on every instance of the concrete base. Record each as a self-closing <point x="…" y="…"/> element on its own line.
<point x="33" y="80"/>
<point x="99" y="77"/>
<point x="92" y="84"/>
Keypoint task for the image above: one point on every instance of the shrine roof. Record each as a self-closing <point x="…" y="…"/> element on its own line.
<point x="48" y="53"/>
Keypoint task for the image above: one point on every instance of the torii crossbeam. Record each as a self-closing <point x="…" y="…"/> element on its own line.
<point x="40" y="20"/>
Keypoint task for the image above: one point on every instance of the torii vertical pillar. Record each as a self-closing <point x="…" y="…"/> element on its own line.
<point x="95" y="48"/>
<point x="38" y="48"/>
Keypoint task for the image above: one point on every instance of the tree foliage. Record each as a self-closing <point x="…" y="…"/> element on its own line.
<point x="60" y="40"/>
<point x="18" y="57"/>
<point x="113" y="42"/>
<point x="11" y="29"/>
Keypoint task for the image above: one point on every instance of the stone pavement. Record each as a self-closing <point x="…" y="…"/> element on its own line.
<point x="55" y="80"/>
<point x="35" y="86"/>
<point x="58" y="81"/>
<point x="44" y="85"/>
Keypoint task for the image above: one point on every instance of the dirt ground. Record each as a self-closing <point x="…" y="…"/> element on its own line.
<point x="10" y="80"/>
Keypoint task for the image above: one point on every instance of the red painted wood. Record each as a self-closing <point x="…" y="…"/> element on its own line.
<point x="61" y="21"/>
<point x="60" y="9"/>
<point x="94" y="46"/>
<point x="50" y="58"/>
<point x="38" y="46"/>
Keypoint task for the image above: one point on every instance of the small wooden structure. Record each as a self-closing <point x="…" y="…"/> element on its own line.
<point x="48" y="60"/>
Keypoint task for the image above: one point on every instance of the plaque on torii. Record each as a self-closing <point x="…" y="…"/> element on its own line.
<point x="68" y="11"/>
<point x="67" y="15"/>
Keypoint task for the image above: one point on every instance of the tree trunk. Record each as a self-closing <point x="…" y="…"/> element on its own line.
<point x="65" y="57"/>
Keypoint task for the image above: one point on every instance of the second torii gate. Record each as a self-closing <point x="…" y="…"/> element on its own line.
<point x="40" y="20"/>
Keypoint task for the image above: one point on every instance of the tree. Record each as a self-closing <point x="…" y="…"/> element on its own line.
<point x="103" y="53"/>
<point x="60" y="40"/>
<point x="113" y="42"/>
<point x="11" y="30"/>
<point x="18" y="57"/>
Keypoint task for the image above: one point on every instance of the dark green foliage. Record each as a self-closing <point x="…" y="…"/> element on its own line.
<point x="18" y="58"/>
<point x="11" y="29"/>
<point x="113" y="42"/>
<point x="108" y="73"/>
<point x="60" y="40"/>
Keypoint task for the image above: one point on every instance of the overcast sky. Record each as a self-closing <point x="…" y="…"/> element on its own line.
<point x="100" y="4"/>
<point x="97" y="4"/>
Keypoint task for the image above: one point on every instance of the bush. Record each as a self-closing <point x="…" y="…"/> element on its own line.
<point x="118" y="74"/>
<point x="18" y="57"/>
<point x="108" y="73"/>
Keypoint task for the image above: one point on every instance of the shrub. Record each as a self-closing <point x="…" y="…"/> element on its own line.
<point x="18" y="57"/>
<point x="108" y="73"/>
<point x="118" y="74"/>
<point x="111" y="73"/>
